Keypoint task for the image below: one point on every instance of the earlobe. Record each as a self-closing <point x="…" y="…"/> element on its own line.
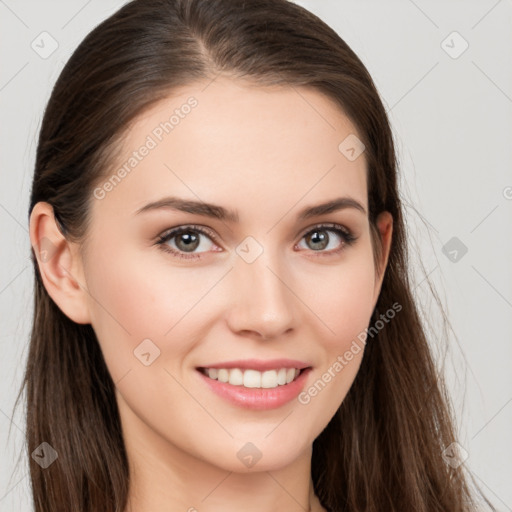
<point x="59" y="264"/>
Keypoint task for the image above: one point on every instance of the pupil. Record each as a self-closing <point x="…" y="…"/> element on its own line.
<point x="319" y="239"/>
<point x="190" y="239"/>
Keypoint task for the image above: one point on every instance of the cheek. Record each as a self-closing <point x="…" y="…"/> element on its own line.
<point x="133" y="300"/>
<point x="345" y="305"/>
<point x="342" y="298"/>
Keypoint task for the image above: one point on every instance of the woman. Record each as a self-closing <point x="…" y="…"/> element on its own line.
<point x="223" y="315"/>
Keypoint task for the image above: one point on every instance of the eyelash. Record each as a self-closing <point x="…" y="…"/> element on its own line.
<point x="347" y="237"/>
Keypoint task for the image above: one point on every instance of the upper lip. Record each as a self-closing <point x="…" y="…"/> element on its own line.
<point x="259" y="364"/>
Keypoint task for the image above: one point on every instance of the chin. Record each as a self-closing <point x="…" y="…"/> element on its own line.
<point x="262" y="453"/>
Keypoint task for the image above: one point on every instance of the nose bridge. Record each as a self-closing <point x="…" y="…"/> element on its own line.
<point x="262" y="301"/>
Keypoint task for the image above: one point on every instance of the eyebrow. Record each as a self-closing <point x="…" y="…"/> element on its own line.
<point x="221" y="213"/>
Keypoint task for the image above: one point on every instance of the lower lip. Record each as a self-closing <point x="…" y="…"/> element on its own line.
<point x="257" y="398"/>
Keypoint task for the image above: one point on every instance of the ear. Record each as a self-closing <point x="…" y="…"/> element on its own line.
<point x="385" y="229"/>
<point x="60" y="264"/>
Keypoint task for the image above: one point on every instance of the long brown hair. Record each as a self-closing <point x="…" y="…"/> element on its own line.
<point x="383" y="449"/>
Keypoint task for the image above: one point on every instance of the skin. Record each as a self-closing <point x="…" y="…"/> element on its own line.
<point x="266" y="153"/>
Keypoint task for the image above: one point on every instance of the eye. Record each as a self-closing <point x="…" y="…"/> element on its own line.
<point x="319" y="239"/>
<point x="186" y="239"/>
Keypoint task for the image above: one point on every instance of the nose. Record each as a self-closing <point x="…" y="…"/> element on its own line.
<point x="263" y="304"/>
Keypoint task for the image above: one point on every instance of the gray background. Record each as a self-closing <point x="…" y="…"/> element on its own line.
<point x="451" y="114"/>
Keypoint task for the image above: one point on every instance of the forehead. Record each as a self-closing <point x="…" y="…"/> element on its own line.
<point x="240" y="143"/>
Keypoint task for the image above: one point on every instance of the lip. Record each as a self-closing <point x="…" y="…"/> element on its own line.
<point x="257" y="398"/>
<point x="259" y="364"/>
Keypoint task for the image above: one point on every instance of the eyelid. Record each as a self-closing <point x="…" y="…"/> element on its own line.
<point x="208" y="231"/>
<point x="348" y="238"/>
<point x="203" y="229"/>
<point x="325" y="225"/>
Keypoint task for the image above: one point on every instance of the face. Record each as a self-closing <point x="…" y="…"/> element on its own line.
<point x="260" y="282"/>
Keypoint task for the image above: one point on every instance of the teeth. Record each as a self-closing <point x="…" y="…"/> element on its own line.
<point x="281" y="376"/>
<point x="253" y="378"/>
<point x="222" y="375"/>
<point x="236" y="377"/>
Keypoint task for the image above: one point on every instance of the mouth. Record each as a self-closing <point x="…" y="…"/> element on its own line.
<point x="258" y="384"/>
<point x="251" y="378"/>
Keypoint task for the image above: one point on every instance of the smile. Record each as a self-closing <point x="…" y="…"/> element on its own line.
<point x="252" y="378"/>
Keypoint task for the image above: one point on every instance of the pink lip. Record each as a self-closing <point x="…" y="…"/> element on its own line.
<point x="259" y="364"/>
<point x="257" y="398"/>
